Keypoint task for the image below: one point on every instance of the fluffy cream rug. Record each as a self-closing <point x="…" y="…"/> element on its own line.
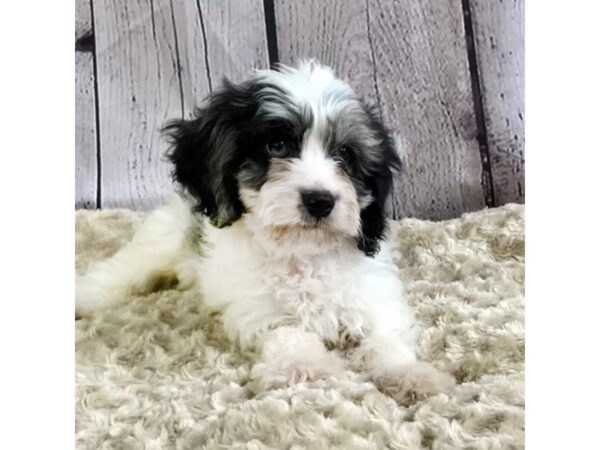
<point x="157" y="373"/>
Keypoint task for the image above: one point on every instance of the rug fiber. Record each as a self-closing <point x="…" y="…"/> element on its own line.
<point x="158" y="373"/>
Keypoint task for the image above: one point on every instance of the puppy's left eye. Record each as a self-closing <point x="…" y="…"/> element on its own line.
<point x="341" y="155"/>
<point x="278" y="148"/>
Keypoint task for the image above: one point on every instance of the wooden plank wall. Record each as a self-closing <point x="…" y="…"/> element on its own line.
<point x="446" y="76"/>
<point x="86" y="167"/>
<point x="499" y="39"/>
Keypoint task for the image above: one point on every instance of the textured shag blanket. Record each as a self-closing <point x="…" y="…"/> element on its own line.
<point x="158" y="373"/>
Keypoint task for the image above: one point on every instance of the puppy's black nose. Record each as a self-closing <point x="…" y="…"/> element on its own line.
<point x="318" y="203"/>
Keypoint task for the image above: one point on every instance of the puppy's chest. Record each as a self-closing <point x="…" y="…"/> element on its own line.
<point x="313" y="283"/>
<point x="324" y="296"/>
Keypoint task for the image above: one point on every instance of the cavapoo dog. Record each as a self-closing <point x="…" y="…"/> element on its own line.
<point x="279" y="219"/>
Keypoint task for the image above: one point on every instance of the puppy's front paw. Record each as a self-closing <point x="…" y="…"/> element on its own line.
<point x="88" y="298"/>
<point x="92" y="296"/>
<point x="266" y="376"/>
<point x="414" y="382"/>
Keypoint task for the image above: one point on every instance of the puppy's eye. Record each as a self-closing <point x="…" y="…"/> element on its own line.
<point x="341" y="155"/>
<point x="278" y="148"/>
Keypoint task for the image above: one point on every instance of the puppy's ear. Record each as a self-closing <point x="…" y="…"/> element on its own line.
<point x="205" y="152"/>
<point x="379" y="181"/>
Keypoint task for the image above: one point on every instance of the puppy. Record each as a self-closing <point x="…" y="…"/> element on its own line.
<point x="282" y="182"/>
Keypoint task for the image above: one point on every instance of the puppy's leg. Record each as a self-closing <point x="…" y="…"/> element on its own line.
<point x="291" y="355"/>
<point x="389" y="359"/>
<point x="157" y="249"/>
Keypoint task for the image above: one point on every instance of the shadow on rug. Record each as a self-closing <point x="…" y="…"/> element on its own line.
<point x="158" y="373"/>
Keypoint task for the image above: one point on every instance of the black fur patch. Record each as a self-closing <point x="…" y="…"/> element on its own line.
<point x="379" y="182"/>
<point x="224" y="143"/>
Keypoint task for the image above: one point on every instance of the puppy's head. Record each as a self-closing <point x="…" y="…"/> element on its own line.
<point x="293" y="150"/>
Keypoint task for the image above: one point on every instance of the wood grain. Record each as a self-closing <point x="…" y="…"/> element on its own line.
<point x="410" y="59"/>
<point x="424" y="86"/>
<point x="333" y="32"/>
<point x="498" y="28"/>
<point x="191" y="49"/>
<point x="85" y="111"/>
<point x="216" y="40"/>
<point x="236" y="38"/>
<point x="139" y="89"/>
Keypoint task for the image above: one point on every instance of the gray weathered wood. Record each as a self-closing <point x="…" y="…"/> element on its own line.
<point x="498" y="28"/>
<point x="333" y="32"/>
<point x="191" y="48"/>
<point x="409" y="58"/>
<point x="236" y="38"/>
<point x="425" y="94"/>
<point x="138" y="90"/>
<point x="228" y="35"/>
<point x="85" y="114"/>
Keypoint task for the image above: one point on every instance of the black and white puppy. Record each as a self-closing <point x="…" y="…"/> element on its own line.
<point x="285" y="178"/>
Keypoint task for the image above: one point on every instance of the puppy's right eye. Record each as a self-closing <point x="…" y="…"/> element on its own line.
<point x="278" y="148"/>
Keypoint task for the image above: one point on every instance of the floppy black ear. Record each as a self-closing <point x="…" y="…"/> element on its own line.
<point x="379" y="181"/>
<point x="205" y="152"/>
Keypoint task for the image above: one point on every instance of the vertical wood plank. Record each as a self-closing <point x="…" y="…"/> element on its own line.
<point x="191" y="46"/>
<point x="138" y="89"/>
<point x="236" y="38"/>
<point x="409" y="58"/>
<point x="85" y="109"/>
<point x="217" y="40"/>
<point x="333" y="32"/>
<point x="425" y="93"/>
<point x="498" y="28"/>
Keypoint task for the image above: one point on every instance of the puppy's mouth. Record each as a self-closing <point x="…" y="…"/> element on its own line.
<point x="315" y="222"/>
<point x="307" y="225"/>
<point x="306" y="229"/>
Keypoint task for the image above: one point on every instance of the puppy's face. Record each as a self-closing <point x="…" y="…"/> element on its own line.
<point x="295" y="151"/>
